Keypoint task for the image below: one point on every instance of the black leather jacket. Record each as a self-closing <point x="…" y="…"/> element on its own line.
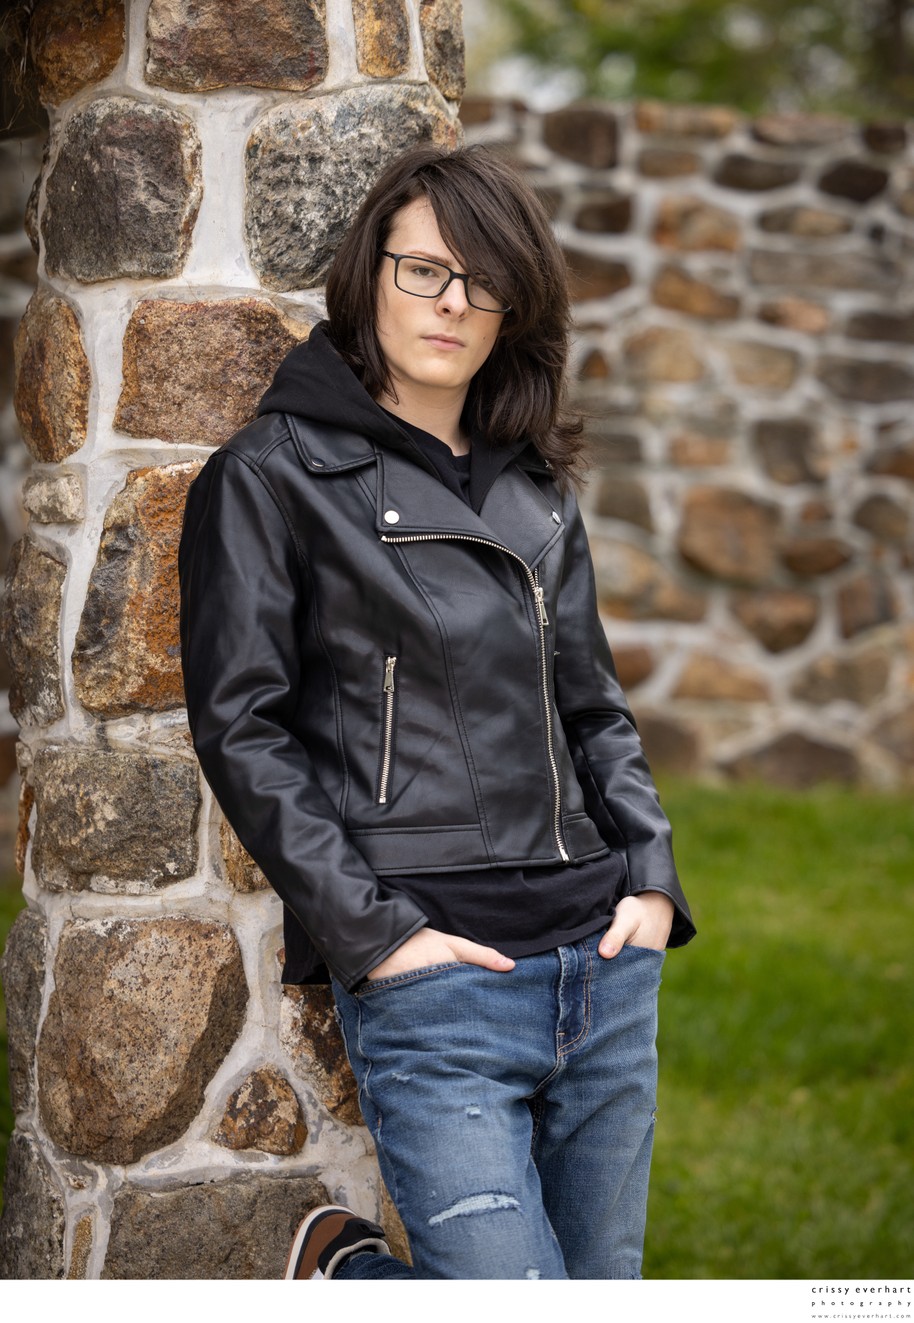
<point x="380" y="681"/>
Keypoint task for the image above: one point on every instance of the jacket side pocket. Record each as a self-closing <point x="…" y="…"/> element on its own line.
<point x="388" y="728"/>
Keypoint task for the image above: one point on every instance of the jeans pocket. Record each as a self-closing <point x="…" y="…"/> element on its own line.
<point x="373" y="985"/>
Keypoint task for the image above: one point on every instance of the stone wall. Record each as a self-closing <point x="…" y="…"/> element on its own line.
<point x="177" y="1110"/>
<point x="745" y="352"/>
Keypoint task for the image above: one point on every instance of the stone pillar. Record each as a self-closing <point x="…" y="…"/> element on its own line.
<point x="177" y="1110"/>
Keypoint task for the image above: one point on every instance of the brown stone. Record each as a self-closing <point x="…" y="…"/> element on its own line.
<point x="26" y="801"/>
<point x="779" y="618"/>
<point x="477" y="110"/>
<point x="127" y="656"/>
<point x="610" y="446"/>
<point x="594" y="367"/>
<point x="604" y="211"/>
<point x="788" y="450"/>
<point x="816" y="511"/>
<point x="751" y="174"/>
<point x="885" y="136"/>
<point x="693" y="225"/>
<point x="860" y="678"/>
<point x="74" y="43"/>
<point x="715" y="679"/>
<point x="858" y="180"/>
<point x="593" y="277"/>
<point x="21" y="266"/>
<point x="667" y="162"/>
<point x="263" y="1114"/>
<point x="865" y="602"/>
<point x="805" y="222"/>
<point x="441" y="25"/>
<point x="729" y="534"/>
<point x="124" y="192"/>
<point x="30" y="633"/>
<point x="551" y="199"/>
<point x="896" y="462"/>
<point x="695" y="450"/>
<point x="673" y="287"/>
<point x="113" y="822"/>
<point x="586" y="132"/>
<point x="52" y="379"/>
<point x="197" y="45"/>
<point x="310" y="1034"/>
<point x="311" y="162"/>
<point x="663" y="353"/>
<point x="685" y="121"/>
<point x="799" y="129"/>
<point x="633" y="585"/>
<point x="831" y="271"/>
<point x="625" y="499"/>
<point x="54" y="498"/>
<point x="884" y="517"/>
<point x="796" y="761"/>
<point x="809" y="555"/>
<point x="33" y="1223"/>
<point x="877" y="324"/>
<point x="867" y="381"/>
<point x="394" y="1230"/>
<point x="381" y="37"/>
<point x="896" y="734"/>
<point x="240" y="869"/>
<point x="22" y="971"/>
<point x="634" y="664"/>
<point x="234" y="1229"/>
<point x="82" y="1248"/>
<point x="142" y="1013"/>
<point x="194" y="372"/>
<point x="796" y="315"/>
<point x="670" y="746"/>
<point x="763" y="366"/>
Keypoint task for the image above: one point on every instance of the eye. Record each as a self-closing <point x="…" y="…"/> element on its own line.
<point x="424" y="271"/>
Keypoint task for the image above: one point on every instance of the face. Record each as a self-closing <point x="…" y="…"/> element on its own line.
<point x="433" y="346"/>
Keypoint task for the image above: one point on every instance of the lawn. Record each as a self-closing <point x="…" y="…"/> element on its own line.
<point x="784" y="1131"/>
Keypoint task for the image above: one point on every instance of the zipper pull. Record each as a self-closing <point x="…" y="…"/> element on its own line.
<point x="541" y="605"/>
<point x="389" y="664"/>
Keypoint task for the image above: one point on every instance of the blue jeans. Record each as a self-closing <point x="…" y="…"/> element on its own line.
<point x="513" y="1113"/>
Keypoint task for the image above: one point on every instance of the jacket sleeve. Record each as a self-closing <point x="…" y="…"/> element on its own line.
<point x="619" y="790"/>
<point x="245" y="591"/>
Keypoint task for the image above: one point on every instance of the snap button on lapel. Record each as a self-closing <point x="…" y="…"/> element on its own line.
<point x="556" y="517"/>
<point x="317" y="461"/>
<point x="391" y="517"/>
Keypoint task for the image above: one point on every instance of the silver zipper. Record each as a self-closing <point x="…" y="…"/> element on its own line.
<point x="389" y="690"/>
<point x="543" y="620"/>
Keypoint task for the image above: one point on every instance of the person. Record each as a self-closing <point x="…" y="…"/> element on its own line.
<point x="401" y="694"/>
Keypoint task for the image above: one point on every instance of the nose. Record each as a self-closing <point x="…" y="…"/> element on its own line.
<point x="453" y="298"/>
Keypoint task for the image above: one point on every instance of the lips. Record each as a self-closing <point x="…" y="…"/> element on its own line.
<point x="445" y="341"/>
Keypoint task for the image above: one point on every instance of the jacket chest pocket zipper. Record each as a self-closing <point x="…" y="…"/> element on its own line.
<point x="389" y="691"/>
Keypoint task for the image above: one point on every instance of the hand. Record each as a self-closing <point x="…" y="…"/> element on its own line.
<point x="642" y="920"/>
<point x="429" y="947"/>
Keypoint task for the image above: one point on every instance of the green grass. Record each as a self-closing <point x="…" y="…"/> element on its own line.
<point x="784" y="1134"/>
<point x="784" y="1137"/>
<point x="11" y="902"/>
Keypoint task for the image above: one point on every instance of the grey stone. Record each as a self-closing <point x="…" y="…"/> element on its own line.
<point x="788" y="450"/>
<point x="22" y="972"/>
<point x="32" y="1225"/>
<point x="855" y="679"/>
<point x="805" y="270"/>
<point x="113" y="822"/>
<point x="239" y="1228"/>
<point x="867" y="380"/>
<point x="796" y="761"/>
<point x="54" y="498"/>
<point x="124" y="193"/>
<point x="441" y="26"/>
<point x="30" y="633"/>
<point x="142" y="1014"/>
<point x="196" y="45"/>
<point x="311" y="163"/>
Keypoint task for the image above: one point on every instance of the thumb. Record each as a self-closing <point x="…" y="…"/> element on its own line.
<point x="616" y="935"/>
<point x="473" y="953"/>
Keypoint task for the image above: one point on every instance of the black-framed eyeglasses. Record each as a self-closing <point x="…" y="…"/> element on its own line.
<point x="429" y="280"/>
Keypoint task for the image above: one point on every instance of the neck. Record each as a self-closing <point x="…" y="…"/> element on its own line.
<point x="440" y="417"/>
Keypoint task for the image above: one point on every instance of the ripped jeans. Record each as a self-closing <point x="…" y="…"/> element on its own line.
<point x="512" y="1113"/>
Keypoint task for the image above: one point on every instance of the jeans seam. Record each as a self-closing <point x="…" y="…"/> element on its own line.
<point x="581" y="1038"/>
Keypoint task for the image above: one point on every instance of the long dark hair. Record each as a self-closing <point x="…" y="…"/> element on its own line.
<point x="490" y="217"/>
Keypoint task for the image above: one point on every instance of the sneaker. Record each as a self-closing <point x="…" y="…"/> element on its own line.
<point x="327" y="1236"/>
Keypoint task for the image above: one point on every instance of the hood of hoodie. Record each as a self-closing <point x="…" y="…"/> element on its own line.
<point x="313" y="382"/>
